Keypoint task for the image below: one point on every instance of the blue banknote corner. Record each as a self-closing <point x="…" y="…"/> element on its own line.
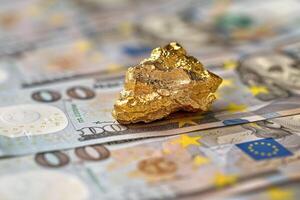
<point x="136" y="51"/>
<point x="264" y="149"/>
<point x="234" y="121"/>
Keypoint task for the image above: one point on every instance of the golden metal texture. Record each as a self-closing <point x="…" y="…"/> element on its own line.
<point x="167" y="82"/>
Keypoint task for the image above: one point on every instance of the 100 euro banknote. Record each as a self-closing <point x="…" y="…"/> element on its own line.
<point x="211" y="163"/>
<point x="78" y="112"/>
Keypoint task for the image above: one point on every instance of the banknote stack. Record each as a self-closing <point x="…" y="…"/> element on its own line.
<point x="62" y="66"/>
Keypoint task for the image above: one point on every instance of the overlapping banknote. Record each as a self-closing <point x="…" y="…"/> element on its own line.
<point x="217" y="163"/>
<point x="52" y="100"/>
<point x="71" y="113"/>
<point x="62" y="65"/>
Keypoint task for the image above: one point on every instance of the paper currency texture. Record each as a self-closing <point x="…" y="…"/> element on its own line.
<point x="167" y="82"/>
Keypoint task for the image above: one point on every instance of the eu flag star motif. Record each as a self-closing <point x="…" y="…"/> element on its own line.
<point x="264" y="149"/>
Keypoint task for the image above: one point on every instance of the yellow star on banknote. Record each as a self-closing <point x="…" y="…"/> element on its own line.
<point x="182" y="122"/>
<point x="255" y="90"/>
<point x="232" y="107"/>
<point x="278" y="194"/>
<point x="82" y="45"/>
<point x="230" y="64"/>
<point x="186" y="140"/>
<point x="222" y="180"/>
<point x="226" y="83"/>
<point x="200" y="160"/>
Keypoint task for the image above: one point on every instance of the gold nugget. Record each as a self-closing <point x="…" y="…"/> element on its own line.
<point x="167" y="82"/>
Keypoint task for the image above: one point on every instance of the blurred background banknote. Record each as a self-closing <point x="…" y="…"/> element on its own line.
<point x="84" y="37"/>
<point x="215" y="163"/>
<point x="62" y="65"/>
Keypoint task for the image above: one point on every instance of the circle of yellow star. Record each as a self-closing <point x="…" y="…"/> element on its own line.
<point x="273" y="148"/>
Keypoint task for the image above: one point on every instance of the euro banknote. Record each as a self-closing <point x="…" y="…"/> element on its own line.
<point x="30" y="24"/>
<point x="210" y="24"/>
<point x="75" y="41"/>
<point x="77" y="112"/>
<point x="219" y="163"/>
<point x="83" y="57"/>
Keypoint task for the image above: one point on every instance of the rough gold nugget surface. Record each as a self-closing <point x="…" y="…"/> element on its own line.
<point x="167" y="82"/>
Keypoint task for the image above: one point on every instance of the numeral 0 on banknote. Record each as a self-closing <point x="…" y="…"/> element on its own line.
<point x="62" y="159"/>
<point x="76" y="92"/>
